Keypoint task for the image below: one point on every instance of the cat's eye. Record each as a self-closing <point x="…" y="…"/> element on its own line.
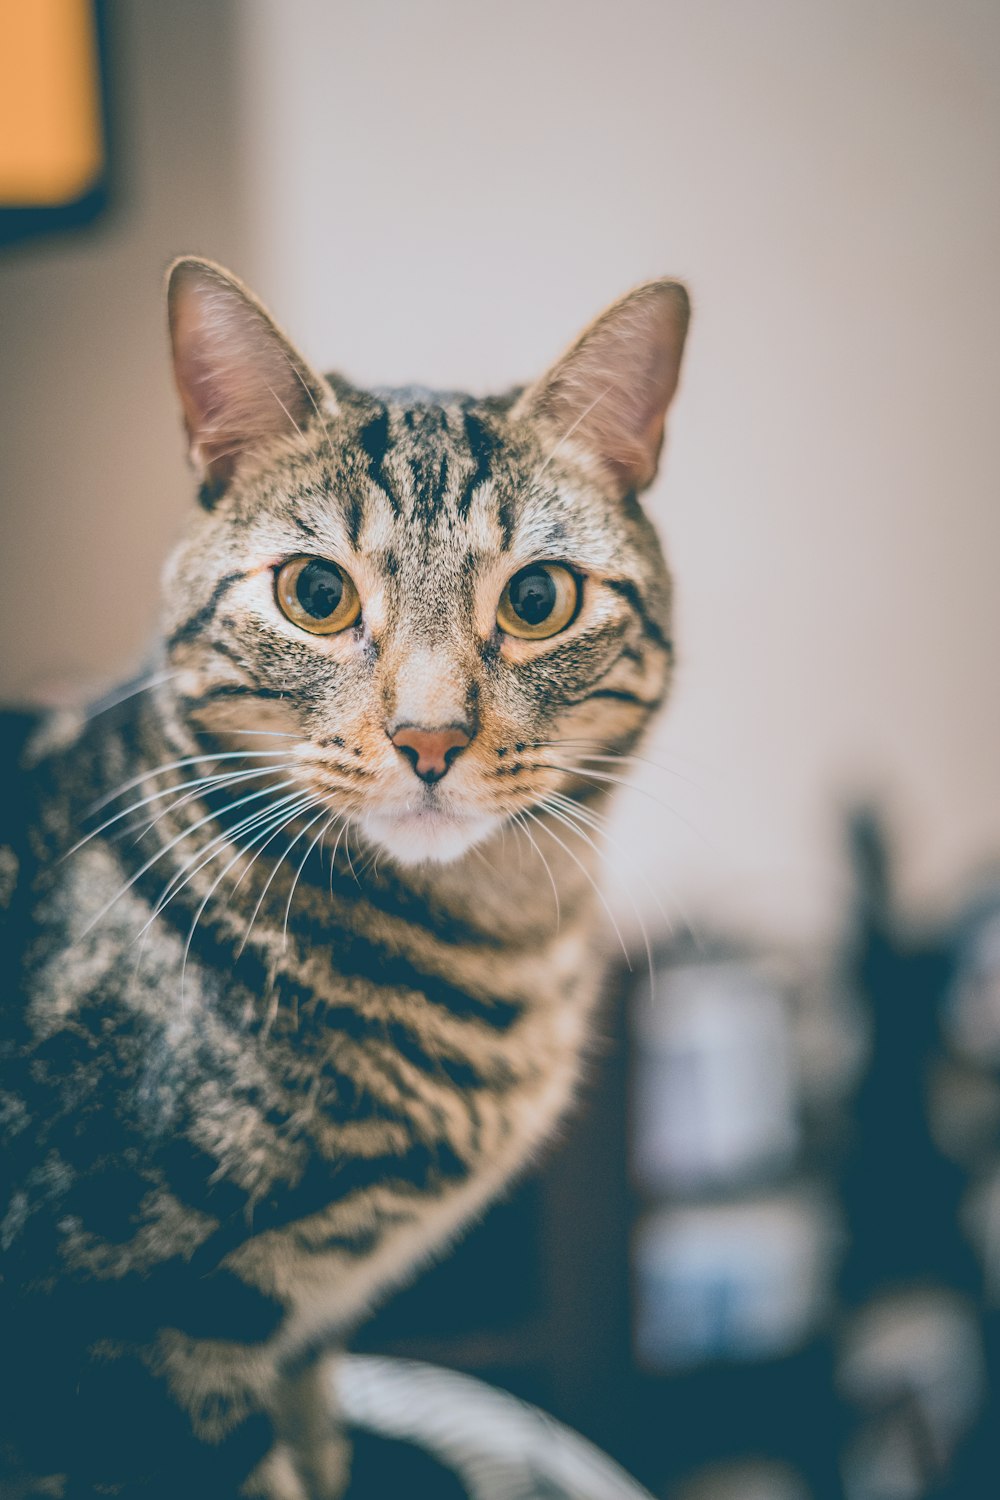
<point x="317" y="595"/>
<point x="539" y="601"/>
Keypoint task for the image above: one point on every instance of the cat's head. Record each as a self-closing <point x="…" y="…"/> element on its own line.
<point x="427" y="605"/>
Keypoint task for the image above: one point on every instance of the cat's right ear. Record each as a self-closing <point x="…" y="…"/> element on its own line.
<point x="240" y="381"/>
<point x="607" y="397"/>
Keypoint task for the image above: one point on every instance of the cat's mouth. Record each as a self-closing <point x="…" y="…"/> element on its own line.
<point x="426" y="830"/>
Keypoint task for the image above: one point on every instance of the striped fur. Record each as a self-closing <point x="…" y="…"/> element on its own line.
<point x="279" y="1018"/>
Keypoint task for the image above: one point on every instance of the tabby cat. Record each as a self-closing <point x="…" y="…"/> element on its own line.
<point x="302" y="936"/>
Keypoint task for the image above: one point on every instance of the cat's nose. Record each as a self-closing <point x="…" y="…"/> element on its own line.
<point x="430" y="751"/>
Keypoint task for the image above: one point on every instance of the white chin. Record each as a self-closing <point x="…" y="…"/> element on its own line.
<point x="429" y="837"/>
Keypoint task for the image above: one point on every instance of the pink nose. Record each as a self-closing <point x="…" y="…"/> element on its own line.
<point x="430" y="751"/>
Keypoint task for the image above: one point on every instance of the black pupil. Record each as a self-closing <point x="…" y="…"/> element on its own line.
<point x="319" y="588"/>
<point x="533" y="595"/>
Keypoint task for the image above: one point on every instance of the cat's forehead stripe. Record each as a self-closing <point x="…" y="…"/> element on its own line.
<point x="428" y="460"/>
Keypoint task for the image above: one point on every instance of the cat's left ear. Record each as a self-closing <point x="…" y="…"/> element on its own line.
<point x="607" y="397"/>
<point x="240" y="381"/>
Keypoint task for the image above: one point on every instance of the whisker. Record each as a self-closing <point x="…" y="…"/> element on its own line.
<point x="180" y="877"/>
<point x="268" y="832"/>
<point x="612" y="756"/>
<point x="569" y="820"/>
<point x="671" y="752"/>
<point x="269" y="817"/>
<point x="333" y="855"/>
<point x="599" y="824"/>
<point x="177" y="765"/>
<point x="622" y="757"/>
<point x="199" y="783"/>
<point x="277" y="813"/>
<point x="587" y="875"/>
<point x="130" y="690"/>
<point x="475" y="849"/>
<point x="555" y="889"/>
<point x="216" y="785"/>
<point x="298" y="872"/>
<point x="271" y="734"/>
<point x="270" y="878"/>
<point x="225" y="839"/>
<point x="292" y="814"/>
<point x="347" y="853"/>
<point x="606" y="778"/>
<point x="178" y="838"/>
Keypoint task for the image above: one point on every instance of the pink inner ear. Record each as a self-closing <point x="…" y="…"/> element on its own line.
<point x="608" y="396"/>
<point x="240" y="383"/>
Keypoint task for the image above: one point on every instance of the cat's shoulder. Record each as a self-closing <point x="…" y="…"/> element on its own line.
<point x="18" y="730"/>
<point x="33" y="742"/>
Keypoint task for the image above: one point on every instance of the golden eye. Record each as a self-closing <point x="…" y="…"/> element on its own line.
<point x="317" y="595"/>
<point x="538" y="601"/>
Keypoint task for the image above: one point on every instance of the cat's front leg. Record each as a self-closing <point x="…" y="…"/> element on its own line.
<point x="120" y="1404"/>
<point x="226" y="1389"/>
<point x="97" y="1404"/>
<point x="311" y="1455"/>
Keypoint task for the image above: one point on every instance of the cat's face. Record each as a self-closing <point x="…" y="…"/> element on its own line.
<point x="427" y="607"/>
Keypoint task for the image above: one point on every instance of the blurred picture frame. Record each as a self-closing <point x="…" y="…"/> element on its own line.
<point x="55" y="118"/>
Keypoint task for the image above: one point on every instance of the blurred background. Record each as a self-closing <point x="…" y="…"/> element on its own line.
<point x="765" y="1263"/>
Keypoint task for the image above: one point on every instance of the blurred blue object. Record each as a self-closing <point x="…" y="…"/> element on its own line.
<point x="734" y="1281"/>
<point x="715" y="1096"/>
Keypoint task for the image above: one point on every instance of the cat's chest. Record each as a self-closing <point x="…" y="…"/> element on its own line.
<point x="353" y="1076"/>
<point x="330" y="1264"/>
<point x="341" y="1105"/>
<point x="376" y="1135"/>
